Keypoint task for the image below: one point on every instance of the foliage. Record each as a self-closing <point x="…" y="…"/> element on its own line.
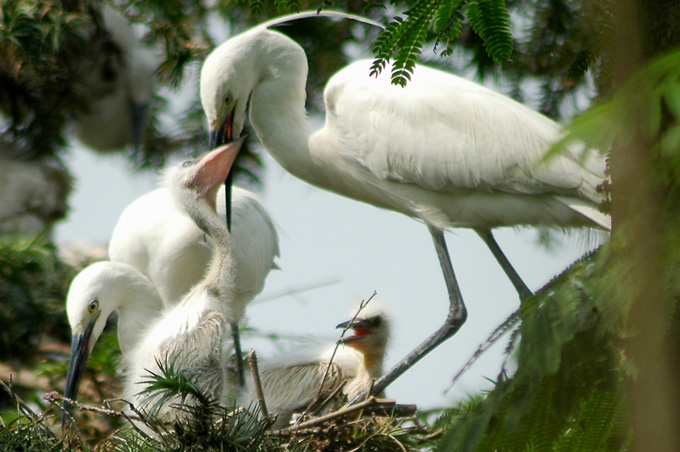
<point x="647" y="105"/>
<point x="403" y="39"/>
<point x="40" y="44"/>
<point x="567" y="392"/>
<point x="32" y="288"/>
<point x="26" y="434"/>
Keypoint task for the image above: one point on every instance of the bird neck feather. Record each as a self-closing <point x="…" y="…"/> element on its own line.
<point x="277" y="108"/>
<point x="219" y="278"/>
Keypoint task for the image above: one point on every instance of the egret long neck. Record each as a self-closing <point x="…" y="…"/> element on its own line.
<point x="136" y="314"/>
<point x="219" y="279"/>
<point x="277" y="112"/>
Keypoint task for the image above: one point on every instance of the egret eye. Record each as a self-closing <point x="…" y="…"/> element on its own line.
<point x="228" y="98"/>
<point x="93" y="306"/>
<point x="187" y="163"/>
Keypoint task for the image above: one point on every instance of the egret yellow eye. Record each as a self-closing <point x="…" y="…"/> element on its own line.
<point x="93" y="306"/>
<point x="228" y="98"/>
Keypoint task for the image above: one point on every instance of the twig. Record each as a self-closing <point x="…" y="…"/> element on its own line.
<point x="371" y="404"/>
<point x="494" y="337"/>
<point x="9" y="388"/>
<point x="55" y="397"/>
<point x="252" y="361"/>
<point x="314" y="402"/>
<point x="362" y="305"/>
<point x="295" y="291"/>
<point x="330" y="397"/>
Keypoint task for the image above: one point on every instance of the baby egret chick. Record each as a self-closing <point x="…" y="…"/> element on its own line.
<point x="95" y="293"/>
<point x="294" y="381"/>
<point x="191" y="335"/>
<point x="157" y="236"/>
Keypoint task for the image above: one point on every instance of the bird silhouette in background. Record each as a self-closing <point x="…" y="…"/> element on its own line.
<point x="120" y="84"/>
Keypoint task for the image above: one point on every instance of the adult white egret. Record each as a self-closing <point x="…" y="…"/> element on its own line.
<point x="94" y="294"/>
<point x="155" y="235"/>
<point x="121" y="85"/>
<point x="192" y="335"/>
<point x="294" y="380"/>
<point x="443" y="150"/>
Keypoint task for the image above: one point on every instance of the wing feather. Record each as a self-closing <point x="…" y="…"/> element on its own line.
<point x="447" y="134"/>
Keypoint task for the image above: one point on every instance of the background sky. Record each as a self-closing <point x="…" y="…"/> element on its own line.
<point x="356" y="249"/>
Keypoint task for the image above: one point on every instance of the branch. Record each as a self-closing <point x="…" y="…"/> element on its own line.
<point x="385" y="407"/>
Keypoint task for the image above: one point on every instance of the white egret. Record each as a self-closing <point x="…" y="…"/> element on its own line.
<point x="94" y="294"/>
<point x="294" y="380"/>
<point x="191" y="335"/>
<point x="155" y="235"/>
<point x="443" y="150"/>
<point x="33" y="193"/>
<point x="121" y="85"/>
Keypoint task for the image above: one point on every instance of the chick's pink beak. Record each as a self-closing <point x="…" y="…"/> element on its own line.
<point x="214" y="167"/>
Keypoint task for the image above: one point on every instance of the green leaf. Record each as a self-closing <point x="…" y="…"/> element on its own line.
<point x="490" y="19"/>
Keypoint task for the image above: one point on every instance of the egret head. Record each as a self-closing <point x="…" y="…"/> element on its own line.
<point x="92" y="297"/>
<point x="371" y="334"/>
<point x="235" y="69"/>
<point x="227" y="80"/>
<point x="201" y="178"/>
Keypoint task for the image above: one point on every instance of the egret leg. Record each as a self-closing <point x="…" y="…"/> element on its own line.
<point x="240" y="370"/>
<point x="454" y="320"/>
<point x="503" y="261"/>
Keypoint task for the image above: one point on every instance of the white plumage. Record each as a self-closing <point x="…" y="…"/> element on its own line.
<point x="192" y="335"/>
<point x="154" y="235"/>
<point x="443" y="150"/>
<point x="33" y="193"/>
<point x="94" y="294"/>
<point x="294" y="380"/>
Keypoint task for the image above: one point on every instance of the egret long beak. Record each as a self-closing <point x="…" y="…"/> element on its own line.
<point x="80" y="352"/>
<point x="139" y="118"/>
<point x="361" y="329"/>
<point x="218" y="137"/>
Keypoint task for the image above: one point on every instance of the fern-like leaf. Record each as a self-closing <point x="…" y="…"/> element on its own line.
<point x="447" y="25"/>
<point x="490" y="19"/>
<point x="385" y="44"/>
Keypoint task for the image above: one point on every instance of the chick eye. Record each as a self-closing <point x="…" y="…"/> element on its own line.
<point x="93" y="306"/>
<point x="228" y="98"/>
<point x="187" y="163"/>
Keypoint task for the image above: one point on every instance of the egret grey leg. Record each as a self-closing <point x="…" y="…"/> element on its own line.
<point x="509" y="270"/>
<point x="454" y="320"/>
<point x="240" y="371"/>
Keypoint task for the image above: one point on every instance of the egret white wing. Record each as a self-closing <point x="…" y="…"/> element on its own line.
<point x="445" y="133"/>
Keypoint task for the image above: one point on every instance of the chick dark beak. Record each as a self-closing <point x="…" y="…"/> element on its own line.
<point x="80" y="352"/>
<point x="140" y="117"/>
<point x="360" y="326"/>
